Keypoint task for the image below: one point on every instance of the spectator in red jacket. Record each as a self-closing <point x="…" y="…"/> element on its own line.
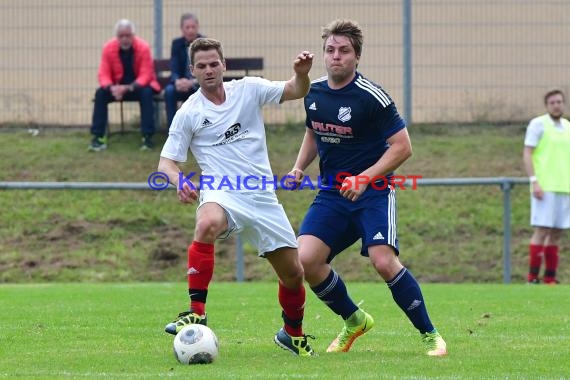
<point x="126" y="72"/>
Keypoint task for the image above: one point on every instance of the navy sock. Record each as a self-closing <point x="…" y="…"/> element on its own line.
<point x="333" y="293"/>
<point x="408" y="295"/>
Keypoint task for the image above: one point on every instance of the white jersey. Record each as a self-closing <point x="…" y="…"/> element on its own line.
<point x="227" y="140"/>
<point x="535" y="130"/>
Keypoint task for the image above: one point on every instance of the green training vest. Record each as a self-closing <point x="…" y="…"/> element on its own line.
<point x="551" y="157"/>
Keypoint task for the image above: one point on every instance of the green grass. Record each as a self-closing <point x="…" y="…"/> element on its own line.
<point x="447" y="234"/>
<point x="50" y="331"/>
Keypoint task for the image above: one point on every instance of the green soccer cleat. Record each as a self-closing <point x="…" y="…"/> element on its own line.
<point x="435" y="344"/>
<point x="360" y="322"/>
<point x="297" y="345"/>
<point x="184" y="319"/>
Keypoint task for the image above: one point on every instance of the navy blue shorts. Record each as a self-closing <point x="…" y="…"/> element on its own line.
<point x="340" y="222"/>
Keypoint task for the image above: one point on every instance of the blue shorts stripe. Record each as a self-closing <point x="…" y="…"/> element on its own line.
<point x="392" y="217"/>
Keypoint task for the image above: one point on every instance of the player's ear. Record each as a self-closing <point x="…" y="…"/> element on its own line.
<point x="192" y="70"/>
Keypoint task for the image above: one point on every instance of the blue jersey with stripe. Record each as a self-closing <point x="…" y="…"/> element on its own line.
<point x="351" y="125"/>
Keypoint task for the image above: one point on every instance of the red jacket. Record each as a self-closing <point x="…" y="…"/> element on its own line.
<point x="111" y="68"/>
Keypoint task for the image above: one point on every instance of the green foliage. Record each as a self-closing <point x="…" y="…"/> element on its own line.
<point x="446" y="234"/>
<point x="53" y="331"/>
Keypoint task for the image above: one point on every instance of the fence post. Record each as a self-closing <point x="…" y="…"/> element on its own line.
<point x="157" y="42"/>
<point x="506" y="187"/>
<point x="157" y="29"/>
<point x="407" y="41"/>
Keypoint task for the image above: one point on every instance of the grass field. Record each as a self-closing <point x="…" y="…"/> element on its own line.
<point x="52" y="331"/>
<point x="449" y="234"/>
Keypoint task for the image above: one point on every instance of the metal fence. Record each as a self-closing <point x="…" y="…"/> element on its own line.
<point x="441" y="60"/>
<point x="506" y="184"/>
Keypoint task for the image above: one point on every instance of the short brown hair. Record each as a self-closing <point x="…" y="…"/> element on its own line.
<point x="553" y="92"/>
<point x="203" y="44"/>
<point x="347" y="28"/>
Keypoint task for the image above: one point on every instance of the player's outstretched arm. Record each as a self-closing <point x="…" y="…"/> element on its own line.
<point x="298" y="86"/>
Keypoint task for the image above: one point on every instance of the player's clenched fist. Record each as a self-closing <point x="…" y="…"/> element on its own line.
<point x="303" y="62"/>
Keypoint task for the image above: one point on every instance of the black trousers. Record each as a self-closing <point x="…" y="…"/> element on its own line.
<point x="144" y="95"/>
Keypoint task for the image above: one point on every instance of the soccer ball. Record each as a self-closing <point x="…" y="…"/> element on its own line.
<point x="195" y="344"/>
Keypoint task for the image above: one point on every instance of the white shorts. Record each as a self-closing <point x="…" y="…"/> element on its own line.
<point x="257" y="216"/>
<point x="552" y="211"/>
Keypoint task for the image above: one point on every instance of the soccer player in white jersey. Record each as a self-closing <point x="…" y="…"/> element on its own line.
<point x="222" y="125"/>
<point x="354" y="127"/>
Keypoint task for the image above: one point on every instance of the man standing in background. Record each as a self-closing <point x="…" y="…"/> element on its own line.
<point x="182" y="83"/>
<point x="546" y="159"/>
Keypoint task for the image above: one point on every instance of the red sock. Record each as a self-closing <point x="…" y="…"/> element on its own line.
<point x="551" y="263"/>
<point x="200" y="271"/>
<point x="534" y="261"/>
<point x="293" y="303"/>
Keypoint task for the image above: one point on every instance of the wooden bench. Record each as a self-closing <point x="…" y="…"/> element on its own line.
<point x="236" y="68"/>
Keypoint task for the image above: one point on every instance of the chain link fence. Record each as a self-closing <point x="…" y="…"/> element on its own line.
<point x="469" y="61"/>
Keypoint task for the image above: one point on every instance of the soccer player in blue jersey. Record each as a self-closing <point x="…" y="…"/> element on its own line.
<point x="354" y="127"/>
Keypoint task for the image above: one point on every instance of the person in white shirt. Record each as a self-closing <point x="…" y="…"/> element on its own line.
<point x="546" y="158"/>
<point x="223" y="127"/>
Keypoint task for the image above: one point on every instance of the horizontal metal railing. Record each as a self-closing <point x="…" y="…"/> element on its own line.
<point x="506" y="184"/>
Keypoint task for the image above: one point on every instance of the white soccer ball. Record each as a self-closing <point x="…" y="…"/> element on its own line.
<point x="195" y="344"/>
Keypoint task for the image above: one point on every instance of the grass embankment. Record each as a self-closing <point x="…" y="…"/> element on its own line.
<point x="446" y="234"/>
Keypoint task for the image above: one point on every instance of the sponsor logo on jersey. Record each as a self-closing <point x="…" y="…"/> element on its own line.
<point x="331" y="129"/>
<point x="313" y="107"/>
<point x="331" y="140"/>
<point x="232" y="131"/>
<point x="232" y="134"/>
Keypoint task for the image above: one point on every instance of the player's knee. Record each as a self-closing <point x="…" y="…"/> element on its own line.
<point x="207" y="229"/>
<point x="540" y="234"/>
<point x="554" y="236"/>
<point x="309" y="262"/>
<point x="384" y="260"/>
<point x="294" y="277"/>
